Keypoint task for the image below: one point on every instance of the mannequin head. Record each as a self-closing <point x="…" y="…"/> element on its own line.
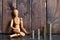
<point x="15" y="12"/>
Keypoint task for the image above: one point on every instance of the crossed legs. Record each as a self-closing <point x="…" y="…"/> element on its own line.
<point x="17" y="33"/>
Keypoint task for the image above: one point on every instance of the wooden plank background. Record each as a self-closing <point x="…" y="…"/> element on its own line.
<point x="37" y="17"/>
<point x="6" y="15"/>
<point x="34" y="19"/>
<point x="53" y="11"/>
<point x="34" y="14"/>
<point x="0" y="15"/>
<point x="38" y="14"/>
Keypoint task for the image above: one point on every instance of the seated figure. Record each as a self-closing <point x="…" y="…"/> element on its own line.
<point x="17" y="24"/>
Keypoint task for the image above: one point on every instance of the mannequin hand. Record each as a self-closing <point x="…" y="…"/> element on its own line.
<point x="28" y="33"/>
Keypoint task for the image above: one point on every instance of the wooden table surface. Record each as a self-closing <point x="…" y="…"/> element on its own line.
<point x="27" y="37"/>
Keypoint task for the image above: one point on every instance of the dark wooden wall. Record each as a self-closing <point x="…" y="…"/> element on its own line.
<point x="34" y="18"/>
<point x="38" y="14"/>
<point x="33" y="13"/>
<point x="6" y="15"/>
<point x="0" y="15"/>
<point x="53" y="14"/>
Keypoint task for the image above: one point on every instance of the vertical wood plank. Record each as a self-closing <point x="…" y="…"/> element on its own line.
<point x="4" y="15"/>
<point x="38" y="14"/>
<point x="53" y="7"/>
<point x="7" y="15"/>
<point x="0" y="16"/>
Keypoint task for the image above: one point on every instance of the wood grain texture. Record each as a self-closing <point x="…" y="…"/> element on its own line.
<point x="6" y="15"/>
<point x="33" y="13"/>
<point x="38" y="14"/>
<point x="0" y="15"/>
<point x="53" y="11"/>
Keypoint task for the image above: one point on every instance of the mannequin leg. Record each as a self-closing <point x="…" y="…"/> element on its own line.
<point x="22" y="33"/>
<point x="14" y="35"/>
<point x="17" y="33"/>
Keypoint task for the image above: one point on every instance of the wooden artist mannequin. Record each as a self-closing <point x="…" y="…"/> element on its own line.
<point x="16" y="21"/>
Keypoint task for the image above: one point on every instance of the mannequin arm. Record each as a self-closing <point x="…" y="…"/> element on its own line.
<point x="11" y="25"/>
<point x="23" y="27"/>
